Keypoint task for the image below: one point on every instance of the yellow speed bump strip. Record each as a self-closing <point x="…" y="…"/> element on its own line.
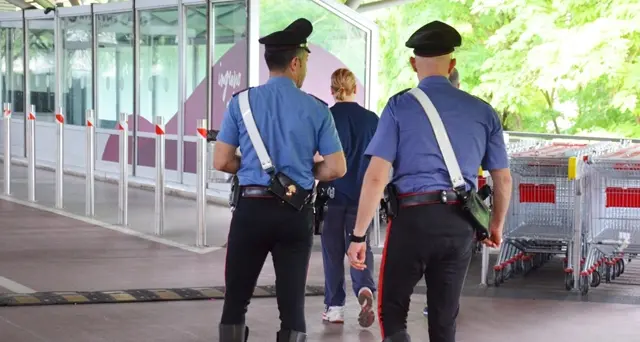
<point x="133" y="296"/>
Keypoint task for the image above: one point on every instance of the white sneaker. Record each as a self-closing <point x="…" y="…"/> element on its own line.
<point x="334" y="314"/>
<point x="367" y="315"/>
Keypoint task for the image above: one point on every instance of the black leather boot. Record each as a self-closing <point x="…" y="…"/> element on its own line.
<point x="400" y="336"/>
<point x="291" y="336"/>
<point x="233" y="333"/>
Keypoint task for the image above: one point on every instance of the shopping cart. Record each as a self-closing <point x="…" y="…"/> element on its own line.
<point x="485" y="178"/>
<point x="612" y="215"/>
<point x="544" y="206"/>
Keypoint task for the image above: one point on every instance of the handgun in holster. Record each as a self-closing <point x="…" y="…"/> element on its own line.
<point x="324" y="192"/>
<point x="389" y="202"/>
<point x="289" y="191"/>
<point x="484" y="192"/>
<point x="234" y="196"/>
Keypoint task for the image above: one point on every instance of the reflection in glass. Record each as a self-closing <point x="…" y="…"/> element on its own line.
<point x="229" y="70"/>
<point x="42" y="68"/>
<point x="115" y="67"/>
<point x="158" y="65"/>
<point x="76" y="85"/>
<point x="158" y="95"/>
<point x="342" y="41"/>
<point x="11" y="68"/>
<point x="196" y="26"/>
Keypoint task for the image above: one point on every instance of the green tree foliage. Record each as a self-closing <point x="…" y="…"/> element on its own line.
<point x="563" y="66"/>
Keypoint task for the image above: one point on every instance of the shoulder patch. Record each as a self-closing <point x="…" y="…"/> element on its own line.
<point x="400" y="92"/>
<point x="319" y="100"/>
<point x="239" y="91"/>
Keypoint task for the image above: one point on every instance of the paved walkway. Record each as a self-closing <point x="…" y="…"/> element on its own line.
<point x="42" y="251"/>
<point x="180" y="218"/>
<point x="481" y="320"/>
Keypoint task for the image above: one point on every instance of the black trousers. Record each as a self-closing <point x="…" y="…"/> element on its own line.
<point x="260" y="226"/>
<point x="431" y="240"/>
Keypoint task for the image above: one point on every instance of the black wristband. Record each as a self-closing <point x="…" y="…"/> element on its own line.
<point x="357" y="239"/>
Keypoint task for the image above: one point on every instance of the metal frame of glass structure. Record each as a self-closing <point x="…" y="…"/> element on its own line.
<point x="32" y="20"/>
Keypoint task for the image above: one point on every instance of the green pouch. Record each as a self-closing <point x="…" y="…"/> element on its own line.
<point x="478" y="212"/>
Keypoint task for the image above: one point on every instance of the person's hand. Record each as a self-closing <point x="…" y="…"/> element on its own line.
<point x="495" y="236"/>
<point x="357" y="254"/>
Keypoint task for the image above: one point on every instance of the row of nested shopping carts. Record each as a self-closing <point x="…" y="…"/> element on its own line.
<point x="577" y="200"/>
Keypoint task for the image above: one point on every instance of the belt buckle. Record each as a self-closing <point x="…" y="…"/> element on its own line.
<point x="443" y="197"/>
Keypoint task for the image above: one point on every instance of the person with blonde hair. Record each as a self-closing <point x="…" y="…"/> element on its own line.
<point x="356" y="127"/>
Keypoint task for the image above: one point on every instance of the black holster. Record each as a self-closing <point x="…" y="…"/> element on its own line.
<point x="324" y="192"/>
<point x="477" y="211"/>
<point x="234" y="196"/>
<point x="289" y="191"/>
<point x="389" y="202"/>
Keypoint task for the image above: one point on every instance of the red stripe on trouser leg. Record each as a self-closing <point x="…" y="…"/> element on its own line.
<point x="381" y="279"/>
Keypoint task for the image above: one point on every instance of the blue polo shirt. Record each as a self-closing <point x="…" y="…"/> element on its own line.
<point x="293" y="126"/>
<point x="405" y="137"/>
<point x="356" y="127"/>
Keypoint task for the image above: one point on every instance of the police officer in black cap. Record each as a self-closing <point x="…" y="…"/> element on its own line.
<point x="434" y="136"/>
<point x="278" y="129"/>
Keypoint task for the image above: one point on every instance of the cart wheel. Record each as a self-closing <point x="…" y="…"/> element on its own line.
<point x="614" y="270"/>
<point x="607" y="273"/>
<point x="568" y="281"/>
<point x="527" y="267"/>
<point x="497" y="278"/>
<point x="621" y="266"/>
<point x="584" y="285"/>
<point x="596" y="279"/>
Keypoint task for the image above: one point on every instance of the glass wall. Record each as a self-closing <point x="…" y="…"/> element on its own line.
<point x="334" y="43"/>
<point x="158" y="93"/>
<point x="171" y="83"/>
<point x="42" y="68"/>
<point x="77" y="95"/>
<point x="11" y="76"/>
<point x="229" y="72"/>
<point x="11" y="57"/>
<point x="115" y="67"/>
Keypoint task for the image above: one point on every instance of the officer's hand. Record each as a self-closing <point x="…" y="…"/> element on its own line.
<point x="357" y="254"/>
<point x="495" y="237"/>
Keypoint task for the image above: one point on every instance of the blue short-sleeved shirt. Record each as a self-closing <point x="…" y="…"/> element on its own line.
<point x="356" y="127"/>
<point x="405" y="137"/>
<point x="293" y="125"/>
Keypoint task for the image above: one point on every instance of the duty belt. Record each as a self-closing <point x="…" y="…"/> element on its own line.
<point x="424" y="198"/>
<point x="256" y="192"/>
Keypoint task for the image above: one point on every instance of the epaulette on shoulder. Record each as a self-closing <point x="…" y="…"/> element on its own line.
<point x="400" y="92"/>
<point x="319" y="100"/>
<point x="239" y="91"/>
